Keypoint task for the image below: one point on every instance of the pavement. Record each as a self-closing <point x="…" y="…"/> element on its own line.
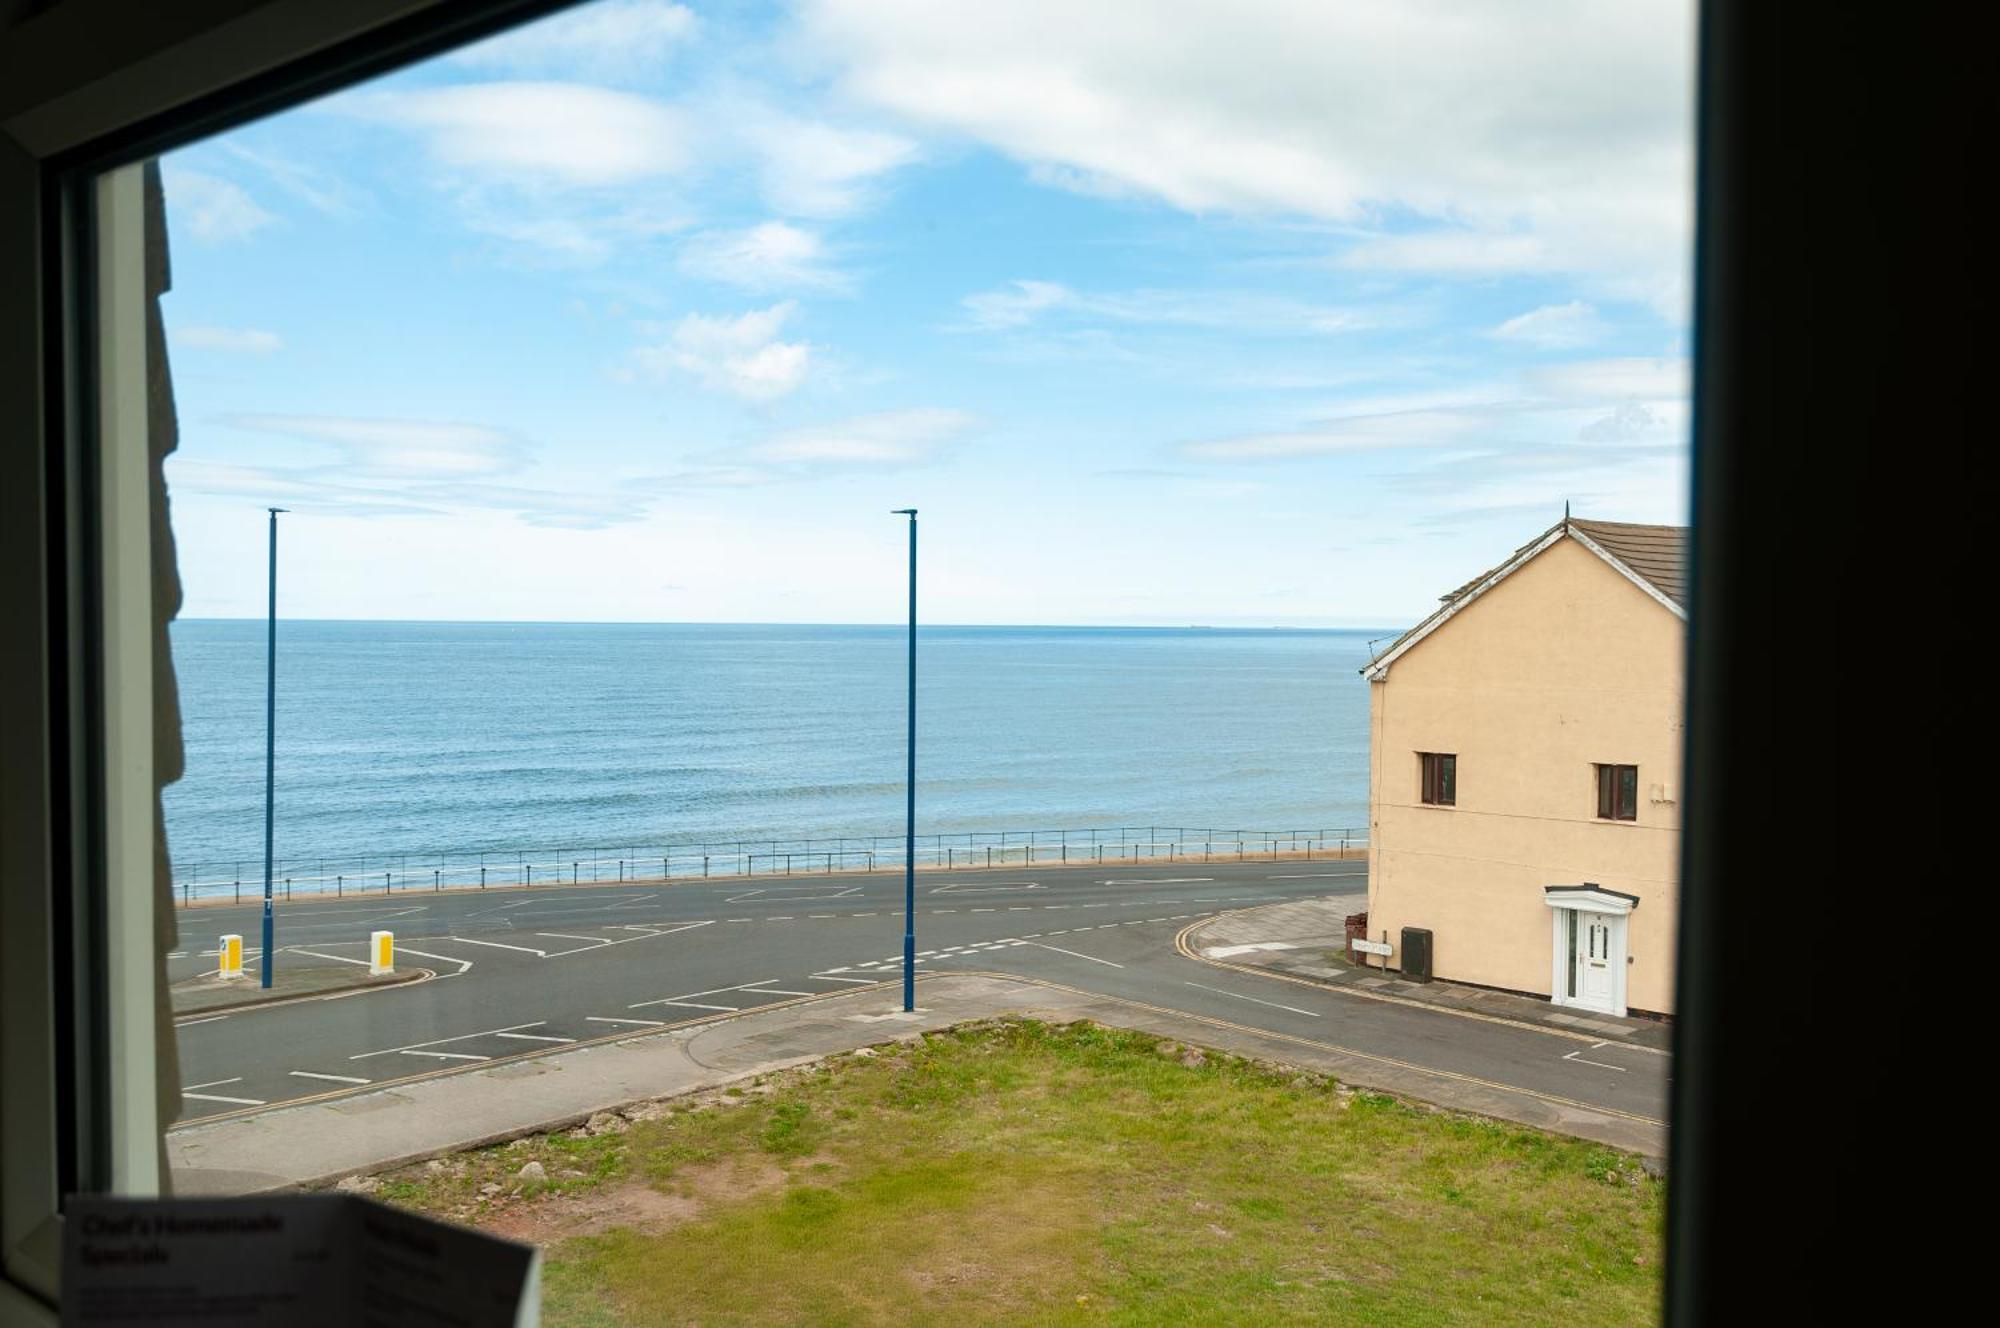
<point x="1307" y="939"/>
<point x="533" y="985"/>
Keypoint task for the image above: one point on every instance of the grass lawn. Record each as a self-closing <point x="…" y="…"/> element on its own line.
<point x="1018" y="1172"/>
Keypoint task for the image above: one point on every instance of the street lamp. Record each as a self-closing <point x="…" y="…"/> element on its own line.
<point x="270" y="737"/>
<point x="910" y="793"/>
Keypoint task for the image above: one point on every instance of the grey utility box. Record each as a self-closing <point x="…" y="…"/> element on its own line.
<point x="1417" y="954"/>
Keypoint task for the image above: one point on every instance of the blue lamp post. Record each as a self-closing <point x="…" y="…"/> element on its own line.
<point x="270" y="739"/>
<point x="910" y="792"/>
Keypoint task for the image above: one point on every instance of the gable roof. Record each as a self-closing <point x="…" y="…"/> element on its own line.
<point x="1653" y="558"/>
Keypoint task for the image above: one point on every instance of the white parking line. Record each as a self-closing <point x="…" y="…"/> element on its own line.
<point x="535" y="1037"/>
<point x="682" y="999"/>
<point x="331" y="1078"/>
<point x="217" y="1097"/>
<point x="1241" y="997"/>
<point x="502" y="945"/>
<point x="214" y="1083"/>
<point x="776" y="991"/>
<point x="448" y="1055"/>
<point x="607" y="1019"/>
<point x="434" y="1042"/>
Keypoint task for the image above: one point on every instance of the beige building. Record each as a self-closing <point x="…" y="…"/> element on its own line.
<point x="1525" y="755"/>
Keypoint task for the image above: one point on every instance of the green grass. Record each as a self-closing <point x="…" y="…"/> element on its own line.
<point x="1025" y="1173"/>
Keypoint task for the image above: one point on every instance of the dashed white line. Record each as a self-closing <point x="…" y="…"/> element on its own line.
<point x="331" y="1078"/>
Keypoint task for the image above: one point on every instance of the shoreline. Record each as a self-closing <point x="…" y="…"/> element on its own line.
<point x="1355" y="853"/>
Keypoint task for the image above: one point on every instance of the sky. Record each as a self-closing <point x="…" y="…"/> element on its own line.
<point x="1236" y="313"/>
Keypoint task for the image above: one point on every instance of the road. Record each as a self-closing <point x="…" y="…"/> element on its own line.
<point x="526" y="972"/>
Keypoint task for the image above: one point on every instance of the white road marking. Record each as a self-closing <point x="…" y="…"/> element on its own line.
<point x="1074" y="954"/>
<point x="293" y="949"/>
<point x="502" y="945"/>
<point x="1241" y="997"/>
<point x="1312" y="876"/>
<point x="682" y="998"/>
<point x="331" y="1078"/>
<point x="607" y="1019"/>
<point x="412" y="1046"/>
<point x="1164" y="880"/>
<point x="535" y="1037"/>
<point x="216" y="1097"/>
<point x="828" y="977"/>
<point x="566" y="936"/>
<point x="1226" y="951"/>
<point x="776" y="991"/>
<point x="1577" y="1056"/>
<point x="463" y="964"/>
<point x="190" y="1023"/>
<point x="448" y="1055"/>
<point x="214" y="1083"/>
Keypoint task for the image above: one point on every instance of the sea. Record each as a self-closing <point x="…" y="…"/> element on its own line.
<point x="444" y="739"/>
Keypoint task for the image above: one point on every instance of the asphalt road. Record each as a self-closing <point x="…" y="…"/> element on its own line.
<point x="524" y="972"/>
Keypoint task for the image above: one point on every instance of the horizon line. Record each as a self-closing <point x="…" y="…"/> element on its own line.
<point x="897" y="626"/>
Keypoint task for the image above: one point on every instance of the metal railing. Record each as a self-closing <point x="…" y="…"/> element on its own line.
<point x="242" y="879"/>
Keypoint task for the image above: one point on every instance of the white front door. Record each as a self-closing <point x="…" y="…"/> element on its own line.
<point x="1596" y="979"/>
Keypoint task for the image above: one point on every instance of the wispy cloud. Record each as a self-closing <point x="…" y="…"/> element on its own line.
<point x="1567" y="148"/>
<point x="212" y="209"/>
<point x="1554" y="326"/>
<point x="773" y="255"/>
<point x="526" y="132"/>
<point x="1621" y="402"/>
<point x="1022" y="302"/>
<point x="890" y="437"/>
<point x="740" y="355"/>
<point x="237" y="340"/>
<point x="611" y="40"/>
<point x="361" y="466"/>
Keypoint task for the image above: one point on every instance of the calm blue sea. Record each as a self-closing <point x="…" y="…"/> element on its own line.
<point x="423" y="738"/>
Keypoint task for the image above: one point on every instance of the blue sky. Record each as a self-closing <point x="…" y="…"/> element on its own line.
<point x="1243" y="313"/>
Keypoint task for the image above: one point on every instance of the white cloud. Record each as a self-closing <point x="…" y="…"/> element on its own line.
<point x="892" y="437"/>
<point x="771" y="256"/>
<point x="1554" y="141"/>
<point x="1022" y="302"/>
<point x="741" y="356"/>
<point x="1359" y="432"/>
<point x="1554" y="326"/>
<point x="527" y="133"/>
<point x="391" y="449"/>
<point x="241" y="340"/>
<point x="1017" y="305"/>
<point x="812" y="168"/>
<point x="609" y="39"/>
<point x="1577" y="413"/>
<point x="211" y="208"/>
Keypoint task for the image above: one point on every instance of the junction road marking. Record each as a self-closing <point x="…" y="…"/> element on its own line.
<point x="1074" y="954"/>
<point x="502" y="945"/>
<point x="1241" y="997"/>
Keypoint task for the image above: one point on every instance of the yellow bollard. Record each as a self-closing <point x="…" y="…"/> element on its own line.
<point x="230" y="961"/>
<point x="381" y="953"/>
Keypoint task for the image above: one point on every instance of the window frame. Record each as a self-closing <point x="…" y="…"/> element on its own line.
<point x="1437" y="779"/>
<point x="1612" y="779"/>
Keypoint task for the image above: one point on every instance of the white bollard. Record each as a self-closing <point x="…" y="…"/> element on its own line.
<point x="381" y="953"/>
<point x="230" y="961"/>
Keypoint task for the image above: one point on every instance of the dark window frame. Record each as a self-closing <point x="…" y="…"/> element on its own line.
<point x="1615" y="800"/>
<point x="1437" y="779"/>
